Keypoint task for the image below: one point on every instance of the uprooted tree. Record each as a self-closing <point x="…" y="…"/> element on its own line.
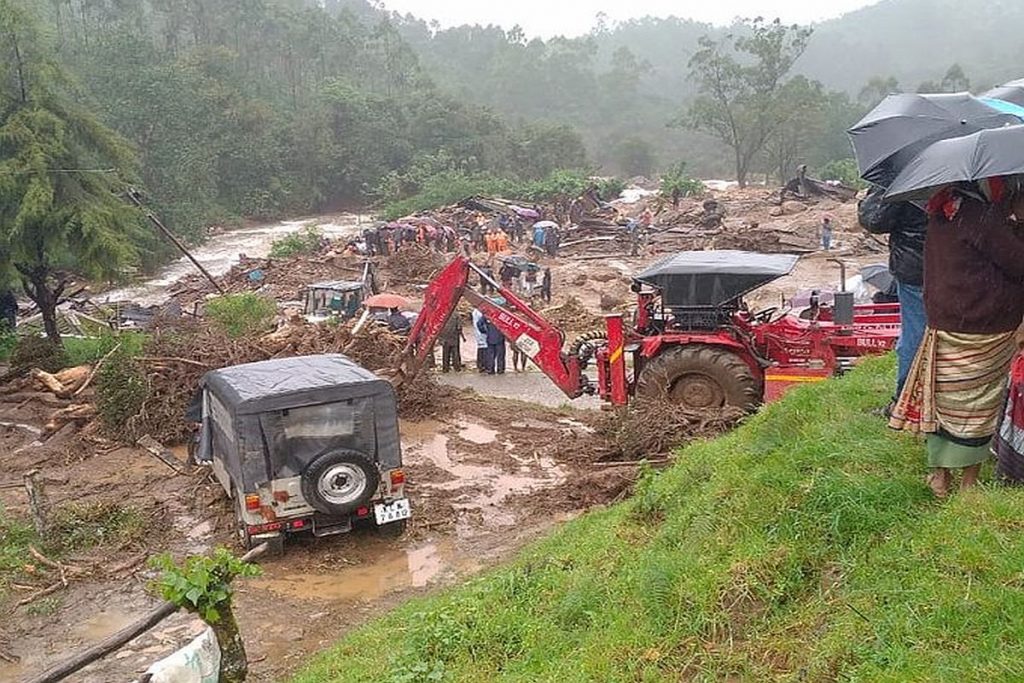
<point x="744" y="86"/>
<point x="202" y="585"/>
<point x="59" y="176"/>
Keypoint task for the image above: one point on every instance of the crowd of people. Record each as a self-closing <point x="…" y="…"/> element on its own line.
<point x="959" y="270"/>
<point x="477" y="234"/>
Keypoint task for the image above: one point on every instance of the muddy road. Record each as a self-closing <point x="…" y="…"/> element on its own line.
<point x="482" y="484"/>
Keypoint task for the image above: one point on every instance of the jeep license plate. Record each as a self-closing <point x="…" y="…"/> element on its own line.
<point x="392" y="512"/>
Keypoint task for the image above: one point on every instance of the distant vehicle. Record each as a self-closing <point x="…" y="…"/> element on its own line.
<point x="335" y="298"/>
<point x="338" y="298"/>
<point x="308" y="443"/>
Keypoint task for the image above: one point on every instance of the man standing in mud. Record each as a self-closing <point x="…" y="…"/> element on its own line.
<point x="480" y="336"/>
<point x="451" y="337"/>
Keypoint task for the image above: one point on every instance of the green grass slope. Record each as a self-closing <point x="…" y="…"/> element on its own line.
<point x="804" y="546"/>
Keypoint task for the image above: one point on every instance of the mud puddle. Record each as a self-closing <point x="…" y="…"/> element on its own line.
<point x="392" y="570"/>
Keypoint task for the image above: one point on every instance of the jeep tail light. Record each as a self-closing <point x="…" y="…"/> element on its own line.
<point x="362" y="512"/>
<point x="252" y="502"/>
<point x="397" y="477"/>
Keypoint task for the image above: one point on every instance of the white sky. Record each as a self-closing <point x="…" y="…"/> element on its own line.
<point x="545" y="18"/>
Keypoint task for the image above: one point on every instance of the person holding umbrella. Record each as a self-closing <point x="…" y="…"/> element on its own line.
<point x="905" y="224"/>
<point x="974" y="301"/>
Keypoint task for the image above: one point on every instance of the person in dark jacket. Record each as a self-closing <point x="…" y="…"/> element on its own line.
<point x="451" y="337"/>
<point x="974" y="298"/>
<point x="398" y="323"/>
<point x="906" y="224"/>
<point x="495" y="347"/>
<point x="545" y="286"/>
<point x="8" y="310"/>
<point x="552" y="240"/>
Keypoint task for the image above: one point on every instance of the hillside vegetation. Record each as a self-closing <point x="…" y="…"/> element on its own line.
<point x="622" y="84"/>
<point x="803" y="546"/>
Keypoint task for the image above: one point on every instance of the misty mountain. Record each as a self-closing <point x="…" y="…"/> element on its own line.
<point x="917" y="40"/>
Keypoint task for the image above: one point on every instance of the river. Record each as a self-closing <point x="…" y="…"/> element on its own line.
<point x="222" y="251"/>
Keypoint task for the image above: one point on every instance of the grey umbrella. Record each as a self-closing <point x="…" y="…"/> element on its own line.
<point x="902" y="125"/>
<point x="877" y="275"/>
<point x="1008" y="92"/>
<point x="985" y="154"/>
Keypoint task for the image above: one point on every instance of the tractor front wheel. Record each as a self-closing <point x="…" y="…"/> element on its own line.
<point x="699" y="377"/>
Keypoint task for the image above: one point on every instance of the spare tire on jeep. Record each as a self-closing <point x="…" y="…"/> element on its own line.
<point x="340" y="481"/>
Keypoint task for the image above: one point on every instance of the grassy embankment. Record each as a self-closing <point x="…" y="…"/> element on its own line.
<point x="803" y="546"/>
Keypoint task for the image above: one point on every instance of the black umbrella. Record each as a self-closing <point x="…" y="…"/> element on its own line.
<point x="985" y="154"/>
<point x="1008" y="92"/>
<point x="895" y="131"/>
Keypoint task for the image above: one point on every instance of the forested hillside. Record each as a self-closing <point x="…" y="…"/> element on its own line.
<point x="624" y="84"/>
<point x="260" y="109"/>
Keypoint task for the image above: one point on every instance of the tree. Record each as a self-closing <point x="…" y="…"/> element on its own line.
<point x="794" y="137"/>
<point x="742" y="84"/>
<point x="954" y="80"/>
<point x="59" y="177"/>
<point x="876" y="90"/>
<point x="635" y="156"/>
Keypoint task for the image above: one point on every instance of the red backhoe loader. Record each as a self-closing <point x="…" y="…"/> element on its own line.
<point x="692" y="339"/>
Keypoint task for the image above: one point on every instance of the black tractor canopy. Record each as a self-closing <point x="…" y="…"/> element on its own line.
<point x="713" y="279"/>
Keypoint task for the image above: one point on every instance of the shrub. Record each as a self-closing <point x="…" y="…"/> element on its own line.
<point x="845" y="171"/>
<point x="37" y="352"/>
<point x="120" y="390"/>
<point x="610" y="188"/>
<point x="676" y="179"/>
<point x="241" y="314"/>
<point x="305" y="241"/>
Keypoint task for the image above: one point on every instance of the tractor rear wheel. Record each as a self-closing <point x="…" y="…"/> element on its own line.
<point x="700" y="377"/>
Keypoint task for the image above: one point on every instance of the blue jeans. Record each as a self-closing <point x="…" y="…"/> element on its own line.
<point x="912" y="323"/>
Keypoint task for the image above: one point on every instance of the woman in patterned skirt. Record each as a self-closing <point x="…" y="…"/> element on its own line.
<point x="974" y="298"/>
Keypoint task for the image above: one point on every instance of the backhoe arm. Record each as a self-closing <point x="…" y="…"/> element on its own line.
<point x="522" y="326"/>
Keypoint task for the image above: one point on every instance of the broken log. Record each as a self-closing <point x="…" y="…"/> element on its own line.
<point x="52" y="384"/>
<point x="38" y="505"/>
<point x="160" y="452"/>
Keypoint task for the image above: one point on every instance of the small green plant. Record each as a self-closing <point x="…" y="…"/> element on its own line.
<point x="676" y="182"/>
<point x="88" y="350"/>
<point x="305" y="241"/>
<point x="241" y="314"/>
<point x="8" y="340"/>
<point x="202" y="585"/>
<point x="15" y="537"/>
<point x="79" y="526"/>
<point x="45" y="607"/>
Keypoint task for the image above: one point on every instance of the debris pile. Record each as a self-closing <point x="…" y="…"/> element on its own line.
<point x="414" y="262"/>
<point x="646" y="428"/>
<point x="572" y="315"/>
<point x="179" y="354"/>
